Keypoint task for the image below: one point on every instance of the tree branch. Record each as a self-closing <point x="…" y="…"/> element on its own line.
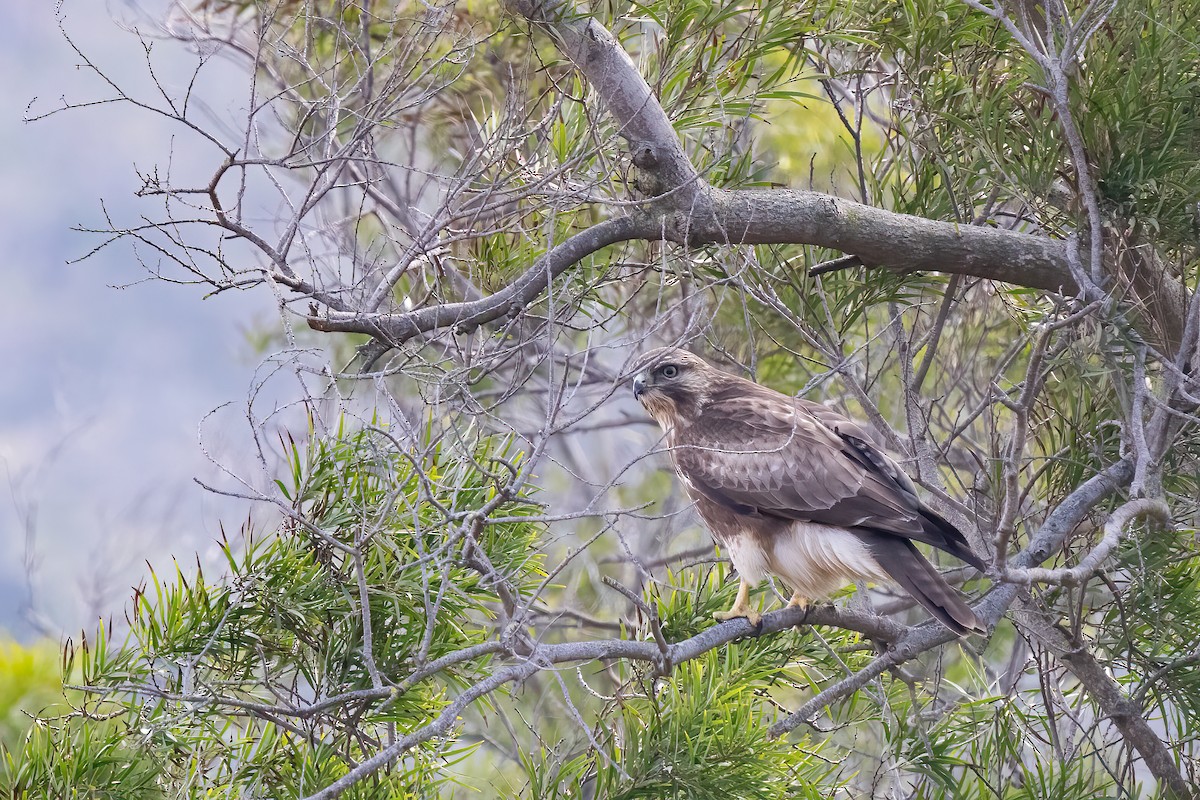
<point x="543" y="656"/>
<point x="641" y="120"/>
<point x="1071" y="511"/>
<point x="466" y="316"/>
<point x="439" y="727"/>
<point x="1088" y="566"/>
<point x="880" y="238"/>
<point x="691" y="212"/>
<point x="1125" y="713"/>
<point x="1049" y="538"/>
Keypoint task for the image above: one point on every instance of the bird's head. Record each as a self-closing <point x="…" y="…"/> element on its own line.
<point x="673" y="385"/>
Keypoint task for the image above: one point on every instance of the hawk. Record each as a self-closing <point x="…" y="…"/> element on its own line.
<point x="791" y="488"/>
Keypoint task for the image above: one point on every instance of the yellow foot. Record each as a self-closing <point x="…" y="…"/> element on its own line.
<point x="741" y="607"/>
<point x="740" y="610"/>
<point x="798" y="600"/>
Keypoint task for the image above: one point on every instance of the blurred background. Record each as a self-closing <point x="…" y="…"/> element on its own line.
<point x="107" y="373"/>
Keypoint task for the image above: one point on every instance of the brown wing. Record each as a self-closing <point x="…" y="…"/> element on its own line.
<point x="755" y="455"/>
<point x="836" y="421"/>
<point x="862" y="440"/>
<point x="756" y="451"/>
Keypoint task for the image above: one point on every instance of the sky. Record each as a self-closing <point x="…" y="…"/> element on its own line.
<point x="108" y="375"/>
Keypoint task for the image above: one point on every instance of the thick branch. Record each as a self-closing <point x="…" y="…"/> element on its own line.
<point x="1125" y="713"/>
<point x="880" y="238"/>
<point x="641" y="119"/>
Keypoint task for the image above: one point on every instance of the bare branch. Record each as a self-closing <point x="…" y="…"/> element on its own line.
<point x="466" y="316"/>
<point x="1116" y="527"/>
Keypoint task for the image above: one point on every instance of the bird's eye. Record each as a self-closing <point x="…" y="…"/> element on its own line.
<point x="670" y="371"/>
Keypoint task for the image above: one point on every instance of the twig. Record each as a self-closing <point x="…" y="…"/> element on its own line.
<point x="1139" y="695"/>
<point x="835" y="265"/>
<point x="841" y="689"/>
<point x="651" y="614"/>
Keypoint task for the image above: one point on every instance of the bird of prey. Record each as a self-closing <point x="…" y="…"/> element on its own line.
<point x="791" y="488"/>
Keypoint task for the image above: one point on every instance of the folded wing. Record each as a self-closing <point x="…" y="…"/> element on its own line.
<point x="772" y="455"/>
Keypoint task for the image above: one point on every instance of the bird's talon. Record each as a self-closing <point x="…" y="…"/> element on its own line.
<point x="741" y="608"/>
<point x="750" y="615"/>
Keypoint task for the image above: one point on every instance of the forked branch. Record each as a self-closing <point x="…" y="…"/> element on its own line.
<point x="683" y="208"/>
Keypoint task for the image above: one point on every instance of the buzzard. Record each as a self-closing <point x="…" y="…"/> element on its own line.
<point x="791" y="488"/>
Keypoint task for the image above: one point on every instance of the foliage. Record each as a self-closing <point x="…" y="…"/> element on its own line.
<point x="696" y="734"/>
<point x="29" y="684"/>
<point x="420" y="622"/>
<point x="173" y="704"/>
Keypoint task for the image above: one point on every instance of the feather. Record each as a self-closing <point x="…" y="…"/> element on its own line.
<point x="763" y="465"/>
<point x="908" y="568"/>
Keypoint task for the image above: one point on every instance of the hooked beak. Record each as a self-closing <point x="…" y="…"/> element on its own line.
<point x="639" y="386"/>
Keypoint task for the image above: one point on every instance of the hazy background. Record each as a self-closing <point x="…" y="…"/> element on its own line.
<point x="106" y="375"/>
